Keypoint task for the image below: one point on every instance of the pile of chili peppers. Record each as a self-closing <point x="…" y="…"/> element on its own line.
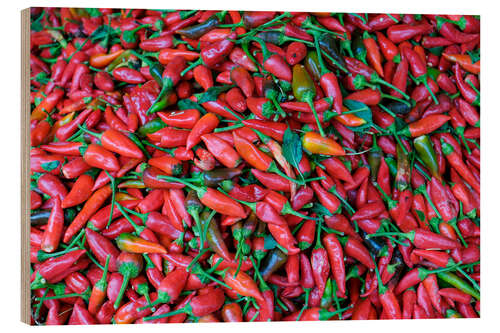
<point x="204" y="166"/>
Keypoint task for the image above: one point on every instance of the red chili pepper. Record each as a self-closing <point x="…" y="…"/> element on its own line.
<point x="401" y="32"/>
<point x="243" y="80"/>
<point x="91" y="206"/>
<point x="425" y="125"/>
<point x="223" y="150"/>
<point x="457" y="163"/>
<point x="53" y="232"/>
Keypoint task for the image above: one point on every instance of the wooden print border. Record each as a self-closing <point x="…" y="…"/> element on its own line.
<point x="25" y="162"/>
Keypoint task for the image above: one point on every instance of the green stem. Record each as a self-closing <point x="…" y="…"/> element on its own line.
<point x="228" y="128"/>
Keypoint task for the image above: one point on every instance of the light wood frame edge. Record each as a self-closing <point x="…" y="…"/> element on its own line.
<point x="25" y="163"/>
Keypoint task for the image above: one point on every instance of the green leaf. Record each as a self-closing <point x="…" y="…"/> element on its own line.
<point x="49" y="166"/>
<point x="391" y="268"/>
<point x="320" y="210"/>
<point x="439" y="22"/>
<point x="268" y="109"/>
<point x="42" y="78"/>
<point x="400" y="124"/>
<point x="285" y="85"/>
<point x="36" y="25"/>
<point x="475" y="55"/>
<point x="59" y="288"/>
<point x="384" y="251"/>
<point x="212" y="93"/>
<point x="102" y="33"/>
<point x="93" y="172"/>
<point x="93" y="12"/>
<point x="185" y="104"/>
<point x="462" y="23"/>
<point x="269" y="242"/>
<point x="421" y="215"/>
<point x="433" y="73"/>
<point x="292" y="148"/>
<point x="437" y="51"/>
<point x="362" y="111"/>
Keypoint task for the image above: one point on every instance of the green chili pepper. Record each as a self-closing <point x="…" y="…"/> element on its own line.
<point x="391" y="163"/>
<point x="120" y="59"/>
<point x="151" y="127"/>
<point x="312" y="64"/>
<point x="155" y="69"/>
<point x="214" y="178"/>
<point x="304" y="90"/>
<point x="327" y="298"/>
<point x="458" y="283"/>
<point x="162" y="101"/>
<point x="426" y="152"/>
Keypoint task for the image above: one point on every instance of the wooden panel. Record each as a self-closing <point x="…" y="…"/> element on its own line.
<point x="25" y="162"/>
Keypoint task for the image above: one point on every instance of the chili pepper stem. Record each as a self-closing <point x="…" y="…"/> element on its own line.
<point x="165" y="315"/>
<point x="124" y="210"/>
<point x="430" y="92"/>
<point x="60" y="296"/>
<point x="265" y="25"/>
<point x="229" y="128"/>
<point x="394" y="98"/>
<point x="310" y="102"/>
<point x="387" y="84"/>
<point x="422" y="190"/>
<point x="195" y="259"/>
<point x="306" y="303"/>
<point x="344" y="202"/>
<point x="342" y="68"/>
<point x="192" y="66"/>
<point x="273" y="168"/>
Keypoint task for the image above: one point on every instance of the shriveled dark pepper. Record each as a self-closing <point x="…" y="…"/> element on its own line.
<point x="198" y="30"/>
<point x="277" y="37"/>
<point x="273" y="262"/>
<point x="374" y="159"/>
<point x="374" y="245"/>
<point x="330" y="47"/>
<point x="213" y="178"/>
<point x="42" y="217"/>
<point x="358" y="48"/>
<point x="214" y="237"/>
<point x="398" y="107"/>
<point x="403" y="169"/>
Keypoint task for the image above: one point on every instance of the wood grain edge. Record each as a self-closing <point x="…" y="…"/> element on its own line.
<point x="25" y="162"/>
